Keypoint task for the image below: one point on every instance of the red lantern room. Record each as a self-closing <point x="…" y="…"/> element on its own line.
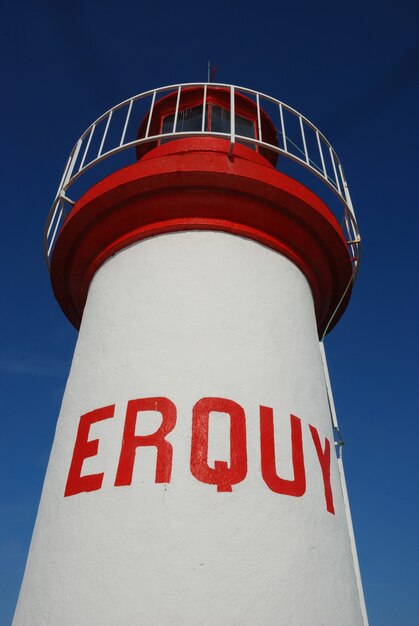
<point x="208" y="113"/>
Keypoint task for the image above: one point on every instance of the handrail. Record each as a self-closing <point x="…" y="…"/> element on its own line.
<point x="292" y="128"/>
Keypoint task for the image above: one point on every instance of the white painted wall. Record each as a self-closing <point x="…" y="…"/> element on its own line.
<point x="189" y="315"/>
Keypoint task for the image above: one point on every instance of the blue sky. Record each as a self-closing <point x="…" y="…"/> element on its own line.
<point x="352" y="69"/>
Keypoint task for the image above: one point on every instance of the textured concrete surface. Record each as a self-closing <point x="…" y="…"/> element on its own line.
<point x="186" y="316"/>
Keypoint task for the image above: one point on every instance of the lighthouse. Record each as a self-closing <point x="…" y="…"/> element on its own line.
<point x="196" y="473"/>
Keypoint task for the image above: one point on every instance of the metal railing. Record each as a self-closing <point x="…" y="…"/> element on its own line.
<point x="116" y="131"/>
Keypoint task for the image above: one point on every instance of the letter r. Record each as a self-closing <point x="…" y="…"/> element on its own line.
<point x="131" y="441"/>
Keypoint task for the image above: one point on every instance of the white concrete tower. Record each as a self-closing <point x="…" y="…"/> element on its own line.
<point x="193" y="477"/>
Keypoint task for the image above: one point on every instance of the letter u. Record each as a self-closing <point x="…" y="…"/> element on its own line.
<point x="297" y="486"/>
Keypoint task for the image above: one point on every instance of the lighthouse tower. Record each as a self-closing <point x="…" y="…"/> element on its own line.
<point x="194" y="477"/>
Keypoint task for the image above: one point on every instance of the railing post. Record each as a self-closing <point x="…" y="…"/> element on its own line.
<point x="204" y="106"/>
<point x="232" y="122"/>
<point x="150" y="114"/>
<point x="321" y="154"/>
<point x="126" y="123"/>
<point x="108" y="121"/>
<point x="259" y="120"/>
<point x="177" y="109"/>
<point x="284" y="137"/>
<point x="71" y="166"/>
<point x="303" y="136"/>
<point x="332" y="158"/>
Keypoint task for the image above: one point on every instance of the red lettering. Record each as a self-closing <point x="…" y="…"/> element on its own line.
<point x="131" y="441"/>
<point x="84" y="449"/>
<point x="324" y="460"/>
<point x="297" y="486"/>
<point x="222" y="474"/>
